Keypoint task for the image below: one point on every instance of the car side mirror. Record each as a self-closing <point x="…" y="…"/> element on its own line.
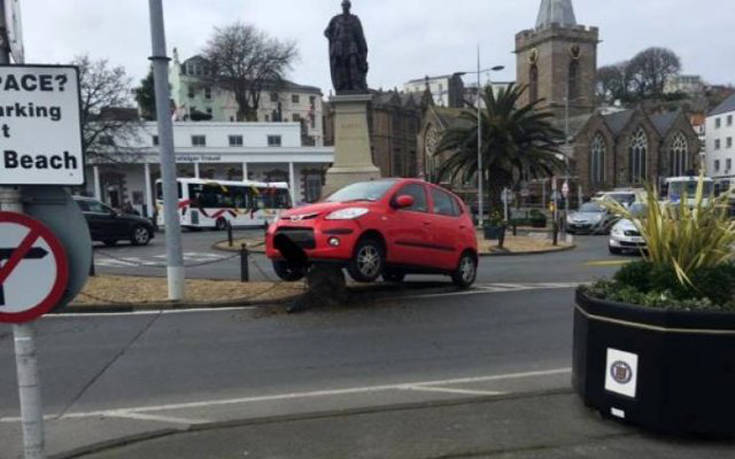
<point x="404" y="201"/>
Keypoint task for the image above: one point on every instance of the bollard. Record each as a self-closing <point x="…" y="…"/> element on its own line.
<point x="556" y="233"/>
<point x="244" y="268"/>
<point x="515" y="229"/>
<point x="92" y="271"/>
<point x="229" y="233"/>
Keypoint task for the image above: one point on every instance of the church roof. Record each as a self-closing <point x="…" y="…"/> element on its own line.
<point x="556" y="11"/>
<point x="617" y="121"/>
<point x="664" y="121"/>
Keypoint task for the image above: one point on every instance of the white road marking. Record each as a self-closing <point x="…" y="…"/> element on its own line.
<point x="149" y="313"/>
<point x="304" y="395"/>
<point x="156" y="418"/>
<point x="483" y="289"/>
<point x="450" y="390"/>
<point x="153" y="260"/>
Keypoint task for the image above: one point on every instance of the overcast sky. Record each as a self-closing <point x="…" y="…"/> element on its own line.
<point x="407" y="38"/>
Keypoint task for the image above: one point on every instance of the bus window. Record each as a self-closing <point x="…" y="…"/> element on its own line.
<point x="159" y="190"/>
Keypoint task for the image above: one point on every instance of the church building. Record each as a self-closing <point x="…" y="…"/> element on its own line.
<point x="609" y="147"/>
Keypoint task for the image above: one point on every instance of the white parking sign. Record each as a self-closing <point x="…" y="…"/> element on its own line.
<point x="40" y="126"/>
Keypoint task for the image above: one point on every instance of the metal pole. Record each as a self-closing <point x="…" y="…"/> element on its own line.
<point x="175" y="261"/>
<point x="566" y="158"/>
<point x="479" y="147"/>
<point x="26" y="360"/>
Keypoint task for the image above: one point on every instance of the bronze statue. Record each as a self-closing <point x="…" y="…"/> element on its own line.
<point x="347" y="52"/>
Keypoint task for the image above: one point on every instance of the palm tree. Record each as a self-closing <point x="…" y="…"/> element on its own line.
<point x="518" y="143"/>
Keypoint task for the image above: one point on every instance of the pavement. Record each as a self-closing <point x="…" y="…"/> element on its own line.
<point x="411" y="373"/>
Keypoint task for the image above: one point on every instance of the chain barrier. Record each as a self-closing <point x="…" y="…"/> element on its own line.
<point x="132" y="263"/>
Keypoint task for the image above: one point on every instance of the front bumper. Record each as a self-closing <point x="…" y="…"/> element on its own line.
<point x="581" y="228"/>
<point x="636" y="243"/>
<point x="314" y="237"/>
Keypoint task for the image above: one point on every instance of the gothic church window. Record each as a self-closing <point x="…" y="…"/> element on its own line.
<point x="533" y="83"/>
<point x="638" y="156"/>
<point x="678" y="157"/>
<point x="573" y="83"/>
<point x="597" y="160"/>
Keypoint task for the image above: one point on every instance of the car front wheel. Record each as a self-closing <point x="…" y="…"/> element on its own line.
<point x="367" y="263"/>
<point x="140" y="236"/>
<point x="466" y="272"/>
<point x="288" y="272"/>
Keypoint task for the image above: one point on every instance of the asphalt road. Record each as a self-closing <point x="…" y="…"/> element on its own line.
<point x="115" y="375"/>
<point x="589" y="261"/>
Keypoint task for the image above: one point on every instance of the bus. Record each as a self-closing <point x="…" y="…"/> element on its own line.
<point x="677" y="187"/>
<point x="216" y="203"/>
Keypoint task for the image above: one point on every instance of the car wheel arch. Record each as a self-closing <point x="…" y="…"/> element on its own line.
<point x="374" y="234"/>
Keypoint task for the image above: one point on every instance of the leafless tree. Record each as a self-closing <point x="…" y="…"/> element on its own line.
<point x="110" y="126"/>
<point x="651" y="68"/>
<point x="246" y="61"/>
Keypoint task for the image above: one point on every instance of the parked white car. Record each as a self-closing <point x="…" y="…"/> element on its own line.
<point x="625" y="237"/>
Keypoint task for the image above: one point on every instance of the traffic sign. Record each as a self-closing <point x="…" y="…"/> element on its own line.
<point x="40" y="126"/>
<point x="34" y="269"/>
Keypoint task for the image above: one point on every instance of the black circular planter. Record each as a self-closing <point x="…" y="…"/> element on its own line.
<point x="666" y="371"/>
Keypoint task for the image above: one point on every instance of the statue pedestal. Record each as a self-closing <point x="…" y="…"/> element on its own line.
<point x="353" y="161"/>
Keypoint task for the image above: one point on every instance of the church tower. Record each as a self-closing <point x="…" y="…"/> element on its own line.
<point x="558" y="59"/>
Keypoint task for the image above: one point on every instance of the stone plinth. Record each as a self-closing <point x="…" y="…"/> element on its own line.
<point x="353" y="160"/>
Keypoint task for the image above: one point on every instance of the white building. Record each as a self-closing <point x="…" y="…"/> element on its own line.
<point x="447" y="90"/>
<point x="268" y="152"/>
<point x="289" y="102"/>
<point x="720" y="132"/>
<point x="687" y="84"/>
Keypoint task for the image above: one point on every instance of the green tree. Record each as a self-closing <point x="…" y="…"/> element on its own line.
<point x="518" y="143"/>
<point x="145" y="95"/>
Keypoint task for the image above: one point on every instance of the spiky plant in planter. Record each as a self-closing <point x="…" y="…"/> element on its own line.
<point x="689" y="260"/>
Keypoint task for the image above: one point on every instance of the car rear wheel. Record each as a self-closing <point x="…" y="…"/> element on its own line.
<point x="288" y="271"/>
<point x="392" y="275"/>
<point x="140" y="236"/>
<point x="466" y="272"/>
<point x="367" y="263"/>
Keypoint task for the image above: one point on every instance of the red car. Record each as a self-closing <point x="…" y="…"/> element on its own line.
<point x="389" y="227"/>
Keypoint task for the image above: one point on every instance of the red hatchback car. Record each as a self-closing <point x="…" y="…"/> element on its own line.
<point x="389" y="227"/>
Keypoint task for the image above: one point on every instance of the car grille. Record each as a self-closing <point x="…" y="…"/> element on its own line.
<point x="633" y="233"/>
<point x="302" y="237"/>
<point x="632" y="244"/>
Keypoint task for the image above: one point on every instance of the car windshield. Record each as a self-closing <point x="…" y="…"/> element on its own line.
<point x="363" y="191"/>
<point x="622" y="198"/>
<point x="638" y="210"/>
<point x="678" y="189"/>
<point x="591" y="207"/>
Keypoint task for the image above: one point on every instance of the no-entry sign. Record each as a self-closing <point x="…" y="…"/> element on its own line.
<point x="33" y="269"/>
<point x="40" y="126"/>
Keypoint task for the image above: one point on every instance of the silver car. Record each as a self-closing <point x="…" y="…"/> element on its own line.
<point x="625" y="237"/>
<point x="591" y="218"/>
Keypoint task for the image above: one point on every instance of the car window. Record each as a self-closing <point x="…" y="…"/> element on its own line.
<point x="83" y="205"/>
<point x="443" y="203"/>
<point x="417" y="192"/>
<point x="98" y="208"/>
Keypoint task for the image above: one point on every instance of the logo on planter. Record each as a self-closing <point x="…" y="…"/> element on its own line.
<point x="621" y="372"/>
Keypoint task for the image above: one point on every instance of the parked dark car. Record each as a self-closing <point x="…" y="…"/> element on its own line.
<point x="110" y="226"/>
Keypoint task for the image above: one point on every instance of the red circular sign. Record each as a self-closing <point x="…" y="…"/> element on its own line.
<point x="14" y="256"/>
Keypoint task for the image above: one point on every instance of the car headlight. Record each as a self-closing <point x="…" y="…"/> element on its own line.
<point x="349" y="213"/>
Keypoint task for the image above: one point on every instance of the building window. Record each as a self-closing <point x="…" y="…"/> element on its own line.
<point x="729" y="120"/>
<point x="312" y="102"/>
<point x="199" y="141"/>
<point x="295" y="99"/>
<point x="573" y="83"/>
<point x="274" y="97"/>
<point x="274" y="140"/>
<point x="728" y="164"/>
<point x="155" y="140"/>
<point x="638" y="156"/>
<point x="533" y="83"/>
<point x="207" y="93"/>
<point x="313" y="187"/>
<point x="678" y="157"/>
<point x="718" y="123"/>
<point x="597" y="160"/>
<point x="296" y="118"/>
<point x="717" y="165"/>
<point x="191" y="91"/>
<point x="236" y="141"/>
<point x="717" y="144"/>
<point x="729" y="142"/>
<point x="209" y="110"/>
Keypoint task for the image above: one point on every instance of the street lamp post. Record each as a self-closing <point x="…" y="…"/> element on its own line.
<point x="480" y="184"/>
